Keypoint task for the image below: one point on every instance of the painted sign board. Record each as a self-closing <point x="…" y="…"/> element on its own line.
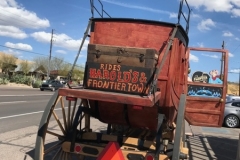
<point x="117" y="78"/>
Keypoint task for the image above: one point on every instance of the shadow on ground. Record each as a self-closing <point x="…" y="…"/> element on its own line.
<point x="201" y="147"/>
<point x="211" y="147"/>
<point x="54" y="152"/>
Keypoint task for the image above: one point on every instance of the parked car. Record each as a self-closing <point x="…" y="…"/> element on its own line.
<point x="51" y="85"/>
<point x="231" y="97"/>
<point x="232" y="113"/>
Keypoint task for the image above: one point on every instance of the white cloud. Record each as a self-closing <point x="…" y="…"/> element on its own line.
<point x="173" y="15"/>
<point x="193" y="58"/>
<point x="60" y="40"/>
<point x="206" y="25"/>
<point x="234" y="70"/>
<point x="237" y="38"/>
<point x="13" y="14"/>
<point x="200" y="44"/>
<point x="19" y="46"/>
<point x="230" y="54"/>
<point x="6" y="3"/>
<point x="236" y="12"/>
<point x="212" y="56"/>
<point x="227" y="34"/>
<point x="63" y="24"/>
<point x="193" y="15"/>
<point x="61" y="51"/>
<point x="13" y="52"/>
<point x="13" y="32"/>
<point x="212" y="5"/>
<point x="227" y="6"/>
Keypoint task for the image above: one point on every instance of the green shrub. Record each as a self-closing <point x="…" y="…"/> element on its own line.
<point x="21" y="79"/>
<point x="37" y="84"/>
<point x="4" y="81"/>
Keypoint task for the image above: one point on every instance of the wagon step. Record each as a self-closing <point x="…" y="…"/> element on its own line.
<point x="146" y="101"/>
<point x="112" y="151"/>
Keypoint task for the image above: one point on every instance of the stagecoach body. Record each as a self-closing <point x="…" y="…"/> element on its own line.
<point x="136" y="82"/>
<point x="123" y="56"/>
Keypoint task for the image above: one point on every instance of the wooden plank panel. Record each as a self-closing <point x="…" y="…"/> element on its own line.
<point x="147" y="101"/>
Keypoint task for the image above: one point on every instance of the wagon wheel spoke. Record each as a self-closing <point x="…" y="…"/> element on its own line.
<point x="69" y="113"/>
<point x="58" y="122"/>
<point x="65" y="155"/>
<point x="52" y="148"/>
<point x="55" y="134"/>
<point x="63" y="113"/>
<point x="69" y="157"/>
<point x="61" y="155"/>
<point x="56" y="155"/>
<point x="73" y="112"/>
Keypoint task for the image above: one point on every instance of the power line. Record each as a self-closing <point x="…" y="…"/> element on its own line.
<point x="23" y="50"/>
<point x="37" y="54"/>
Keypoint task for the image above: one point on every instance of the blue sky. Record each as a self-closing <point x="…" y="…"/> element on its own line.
<point x="27" y="25"/>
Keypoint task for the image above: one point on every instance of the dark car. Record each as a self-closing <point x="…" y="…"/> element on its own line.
<point x="232" y="113"/>
<point x="51" y="85"/>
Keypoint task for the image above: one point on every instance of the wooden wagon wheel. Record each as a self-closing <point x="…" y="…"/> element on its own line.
<point x="60" y="121"/>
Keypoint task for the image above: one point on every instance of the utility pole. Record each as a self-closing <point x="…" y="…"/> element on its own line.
<point x="50" y="55"/>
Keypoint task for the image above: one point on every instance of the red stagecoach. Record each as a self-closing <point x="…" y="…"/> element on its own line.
<point x="136" y="82"/>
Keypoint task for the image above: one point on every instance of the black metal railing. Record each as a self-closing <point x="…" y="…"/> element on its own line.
<point x="101" y="12"/>
<point x="187" y="18"/>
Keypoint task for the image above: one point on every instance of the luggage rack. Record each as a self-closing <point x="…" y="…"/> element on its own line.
<point x="101" y="14"/>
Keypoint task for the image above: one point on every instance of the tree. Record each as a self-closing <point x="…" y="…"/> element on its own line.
<point x="78" y="73"/>
<point x="55" y="63"/>
<point x="25" y="67"/>
<point x="66" y="67"/>
<point x="8" y="63"/>
<point x="58" y="64"/>
<point x="40" y="61"/>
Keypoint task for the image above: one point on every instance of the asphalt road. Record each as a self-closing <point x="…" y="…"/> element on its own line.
<point x="21" y="107"/>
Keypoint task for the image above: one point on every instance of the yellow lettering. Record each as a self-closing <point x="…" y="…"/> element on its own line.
<point x="105" y="84"/>
<point x="118" y="86"/>
<point x="140" y="87"/>
<point x="89" y="82"/>
<point x="109" y="67"/>
<point x="118" y="67"/>
<point x="134" y="87"/>
<point x="100" y="83"/>
<point x="129" y="87"/>
<point x="111" y="84"/>
<point x="123" y="88"/>
<point x="94" y="83"/>
<point x="101" y="66"/>
<point x="114" y="67"/>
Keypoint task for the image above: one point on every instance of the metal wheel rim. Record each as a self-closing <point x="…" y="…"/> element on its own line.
<point x="232" y="121"/>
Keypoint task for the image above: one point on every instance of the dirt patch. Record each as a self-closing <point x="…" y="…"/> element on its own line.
<point x="233" y="88"/>
<point x="17" y="85"/>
